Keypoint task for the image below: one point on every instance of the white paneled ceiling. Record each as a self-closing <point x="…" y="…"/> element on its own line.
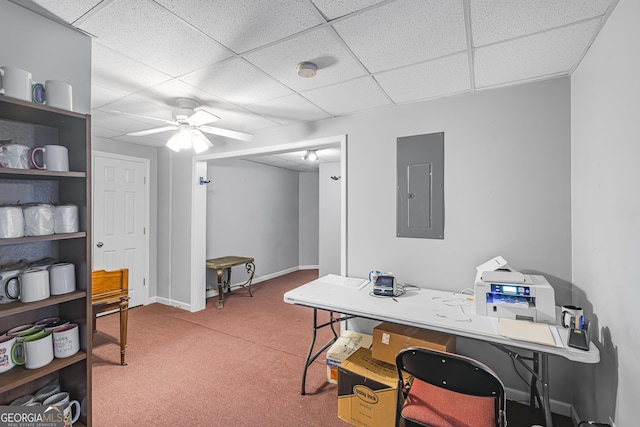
<point x="238" y="58"/>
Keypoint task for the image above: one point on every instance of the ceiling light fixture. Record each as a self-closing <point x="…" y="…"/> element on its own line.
<point x="307" y="69"/>
<point x="187" y="137"/>
<point x="310" y="155"/>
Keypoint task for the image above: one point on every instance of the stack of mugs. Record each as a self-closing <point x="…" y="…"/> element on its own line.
<point x="35" y="345"/>
<point x="17" y="156"/>
<point x="51" y="395"/>
<point x="36" y="281"/>
<point x="18" y="83"/>
<point x="37" y="219"/>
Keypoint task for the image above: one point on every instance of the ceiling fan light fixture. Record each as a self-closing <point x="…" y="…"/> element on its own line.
<point x="310" y="155"/>
<point x="307" y="69"/>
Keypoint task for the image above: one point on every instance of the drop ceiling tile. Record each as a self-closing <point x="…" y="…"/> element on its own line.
<point x="103" y="133"/>
<point x="117" y="123"/>
<point x="237" y="81"/>
<point x="539" y="55"/>
<point x="242" y="25"/>
<point x="167" y="93"/>
<point x="430" y="79"/>
<point x="145" y="140"/>
<point x="322" y="47"/>
<point x="405" y="32"/>
<point x="333" y="9"/>
<point x="134" y="104"/>
<point x="494" y="21"/>
<point x="349" y="97"/>
<point x="243" y="120"/>
<point x="145" y="31"/>
<point x="116" y="72"/>
<point x="67" y="10"/>
<point x="288" y="109"/>
<point x="101" y="95"/>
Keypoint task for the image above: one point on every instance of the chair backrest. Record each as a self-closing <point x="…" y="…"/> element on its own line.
<point x="449" y="390"/>
<point x="109" y="283"/>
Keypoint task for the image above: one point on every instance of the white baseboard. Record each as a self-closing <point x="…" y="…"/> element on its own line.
<point x="308" y="267"/>
<point x="172" y="303"/>
<point x="213" y="292"/>
<point x="557" y="406"/>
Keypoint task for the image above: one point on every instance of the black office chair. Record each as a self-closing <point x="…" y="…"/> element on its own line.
<point x="438" y="389"/>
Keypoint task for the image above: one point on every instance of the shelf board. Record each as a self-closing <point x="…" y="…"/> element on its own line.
<point x="20" y="375"/>
<point x="31" y="239"/>
<point x="38" y="174"/>
<point x="17" y="307"/>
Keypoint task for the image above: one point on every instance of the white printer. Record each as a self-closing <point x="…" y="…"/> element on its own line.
<point x="501" y="291"/>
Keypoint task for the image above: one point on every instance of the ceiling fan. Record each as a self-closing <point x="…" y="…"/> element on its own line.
<point x="190" y="125"/>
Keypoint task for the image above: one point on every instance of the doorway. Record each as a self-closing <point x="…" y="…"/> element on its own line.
<point x="121" y="219"/>
<point x="199" y="216"/>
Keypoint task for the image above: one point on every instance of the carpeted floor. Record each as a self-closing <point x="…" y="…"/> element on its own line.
<point x="240" y="365"/>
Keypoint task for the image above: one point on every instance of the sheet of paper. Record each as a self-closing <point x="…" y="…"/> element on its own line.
<point x="523" y="330"/>
<point x="349" y="282"/>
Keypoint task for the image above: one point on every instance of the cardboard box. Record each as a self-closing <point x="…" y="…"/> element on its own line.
<point x="344" y="347"/>
<point x="390" y="338"/>
<point x="367" y="391"/>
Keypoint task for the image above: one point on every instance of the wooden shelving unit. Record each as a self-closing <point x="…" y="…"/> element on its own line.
<point x="37" y="125"/>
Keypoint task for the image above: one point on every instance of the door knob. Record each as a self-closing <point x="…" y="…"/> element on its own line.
<point x="99" y="244"/>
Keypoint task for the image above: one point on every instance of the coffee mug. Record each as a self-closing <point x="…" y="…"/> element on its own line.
<point x="33" y="285"/>
<point x="66" y="219"/>
<point x="47" y="391"/>
<point x="6" y="345"/>
<point x="70" y="418"/>
<point x="373" y="276"/>
<point x="23" y="400"/>
<point x="60" y="399"/>
<point x="37" y="93"/>
<point x="43" y="323"/>
<point x="9" y="281"/>
<point x="23" y="331"/>
<point x="572" y="317"/>
<point x="66" y="340"/>
<point x="39" y="219"/>
<point x="55" y="158"/>
<point x="53" y="325"/>
<point x="15" y="82"/>
<point x="62" y="278"/>
<point x="58" y="94"/>
<point x="11" y="222"/>
<point x="14" y="156"/>
<point x="37" y="351"/>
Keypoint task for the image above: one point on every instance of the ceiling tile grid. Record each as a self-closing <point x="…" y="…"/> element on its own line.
<point x="237" y="58"/>
<point x="405" y="32"/>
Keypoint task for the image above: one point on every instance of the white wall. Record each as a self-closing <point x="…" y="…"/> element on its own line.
<point x="329" y="244"/>
<point x="48" y="50"/>
<point x="606" y="215"/>
<point x="253" y="210"/>
<point x="308" y="234"/>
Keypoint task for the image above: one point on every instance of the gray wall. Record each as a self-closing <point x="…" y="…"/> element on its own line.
<point x="253" y="210"/>
<point x="507" y="192"/>
<point x="606" y="216"/>
<point x="329" y="255"/>
<point x="308" y="239"/>
<point x="48" y="50"/>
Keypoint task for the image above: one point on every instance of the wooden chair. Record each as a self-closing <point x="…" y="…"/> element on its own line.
<point x="110" y="291"/>
<point x="447" y="390"/>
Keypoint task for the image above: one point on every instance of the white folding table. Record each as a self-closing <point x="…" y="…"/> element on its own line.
<point x="428" y="309"/>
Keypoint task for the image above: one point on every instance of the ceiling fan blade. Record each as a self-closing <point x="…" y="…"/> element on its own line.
<point x="139" y="116"/>
<point x="154" y="130"/>
<point x="202" y="117"/>
<point x="247" y="137"/>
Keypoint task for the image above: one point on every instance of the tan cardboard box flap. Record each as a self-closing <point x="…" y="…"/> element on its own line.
<point x="390" y="338"/>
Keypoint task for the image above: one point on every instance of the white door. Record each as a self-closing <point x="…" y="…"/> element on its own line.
<point x="119" y="220"/>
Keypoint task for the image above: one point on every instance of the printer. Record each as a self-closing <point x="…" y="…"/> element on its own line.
<point x="500" y="291"/>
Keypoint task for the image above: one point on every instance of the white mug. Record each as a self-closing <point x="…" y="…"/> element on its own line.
<point x="55" y="158"/>
<point x="66" y="340"/>
<point x="47" y="391"/>
<point x="11" y="222"/>
<point x="23" y="400"/>
<point x="70" y="418"/>
<point x="572" y="317"/>
<point x="33" y="285"/>
<point x="58" y="94"/>
<point x="66" y="219"/>
<point x="15" y="83"/>
<point x="59" y="399"/>
<point x="39" y="219"/>
<point x="36" y="351"/>
<point x="14" y="156"/>
<point x="6" y="345"/>
<point x="62" y="278"/>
